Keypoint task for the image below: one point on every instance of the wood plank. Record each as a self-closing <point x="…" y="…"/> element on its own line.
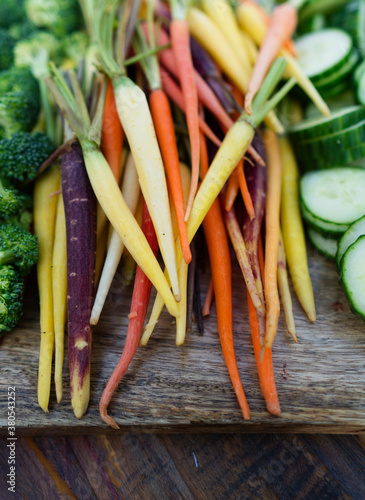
<point x="321" y="381"/>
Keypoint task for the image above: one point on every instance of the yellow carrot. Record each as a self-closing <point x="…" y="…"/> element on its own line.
<point x="222" y="15"/>
<point x="45" y="207"/>
<point x="210" y="37"/>
<point x="253" y="24"/>
<point x="284" y="290"/>
<point x="293" y="231"/>
<point x="183" y="268"/>
<point x="59" y="290"/>
<point x="272" y="230"/>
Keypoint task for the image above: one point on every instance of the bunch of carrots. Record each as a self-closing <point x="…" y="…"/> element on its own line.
<point x="118" y="182"/>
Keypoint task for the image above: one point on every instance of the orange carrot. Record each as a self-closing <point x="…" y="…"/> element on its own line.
<point x="289" y="44"/>
<point x="233" y="187"/>
<point x="164" y="126"/>
<point x="172" y="90"/>
<point x="272" y="234"/>
<point x="282" y="26"/>
<point x="140" y="298"/>
<point x="180" y="39"/>
<point x="244" y="191"/>
<point x="265" y="367"/>
<point x="112" y="134"/>
<point x="208" y="298"/>
<point x="220" y="262"/>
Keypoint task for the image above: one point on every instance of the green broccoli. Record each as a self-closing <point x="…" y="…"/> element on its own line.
<point x="74" y="47"/>
<point x="18" y="247"/>
<point x="11" y="294"/>
<point x="7" y="43"/>
<point x="19" y="101"/>
<point x="11" y="11"/>
<point x="12" y="201"/>
<point x="23" y="29"/>
<point x="22" y="154"/>
<point x="35" y="51"/>
<point x="57" y="16"/>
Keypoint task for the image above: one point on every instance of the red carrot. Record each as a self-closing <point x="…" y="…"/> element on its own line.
<point x="233" y="186"/>
<point x="282" y="25"/>
<point x="220" y="263"/>
<point x="244" y="191"/>
<point x="140" y="299"/>
<point x="80" y="215"/>
<point x="180" y="38"/>
<point x="208" y="298"/>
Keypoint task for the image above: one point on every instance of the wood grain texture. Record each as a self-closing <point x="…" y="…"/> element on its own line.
<point x="321" y="381"/>
<point x="190" y="466"/>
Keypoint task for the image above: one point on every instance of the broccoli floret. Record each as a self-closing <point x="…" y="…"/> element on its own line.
<point x="11" y="294"/>
<point x="22" y="154"/>
<point x="12" y="201"/>
<point x="22" y="30"/>
<point x="18" y="247"/>
<point x="23" y="220"/>
<point x="57" y="16"/>
<point x="36" y="51"/>
<point x="7" y="43"/>
<point x="11" y="11"/>
<point x="74" y="47"/>
<point x="19" y="101"/>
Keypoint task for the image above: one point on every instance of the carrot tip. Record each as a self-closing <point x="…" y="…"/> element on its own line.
<point x="107" y="418"/>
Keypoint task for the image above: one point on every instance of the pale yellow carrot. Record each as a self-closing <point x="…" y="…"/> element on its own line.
<point x="272" y="231"/>
<point x="284" y="290"/>
<point x="59" y="290"/>
<point x="44" y="212"/>
<point x="293" y="231"/>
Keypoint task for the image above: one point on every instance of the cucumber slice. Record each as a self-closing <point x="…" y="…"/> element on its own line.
<point x="333" y="80"/>
<point x="331" y="158"/>
<point x="324" y="52"/>
<point x="359" y="71"/>
<point x="327" y="246"/>
<point x="328" y="229"/>
<point x="326" y="125"/>
<point x="356" y="230"/>
<point x="348" y="138"/>
<point x="351" y="18"/>
<point x="334" y="195"/>
<point x="353" y="275"/>
<point x="360" y="93"/>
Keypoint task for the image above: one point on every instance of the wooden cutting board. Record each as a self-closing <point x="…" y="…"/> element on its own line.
<point x="320" y="381"/>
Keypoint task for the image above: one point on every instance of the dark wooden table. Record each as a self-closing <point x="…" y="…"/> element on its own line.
<point x="187" y="466"/>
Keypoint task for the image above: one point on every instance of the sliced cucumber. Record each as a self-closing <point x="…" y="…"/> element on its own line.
<point x="359" y="71"/>
<point x="353" y="275"/>
<point x="330" y="159"/>
<point x="347" y="138"/>
<point x="334" y="79"/>
<point x="360" y="93"/>
<point x="324" y="52"/>
<point x="327" y="246"/>
<point x="328" y="229"/>
<point x="356" y="230"/>
<point x="335" y="195"/>
<point x="351" y="18"/>
<point x="326" y="125"/>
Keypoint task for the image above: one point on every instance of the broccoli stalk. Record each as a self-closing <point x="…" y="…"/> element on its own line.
<point x="11" y="293"/>
<point x="18" y="247"/>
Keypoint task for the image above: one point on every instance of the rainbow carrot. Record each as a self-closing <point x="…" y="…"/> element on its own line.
<point x="140" y="299"/>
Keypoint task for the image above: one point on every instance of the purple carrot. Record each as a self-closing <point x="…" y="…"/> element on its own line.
<point x="80" y="214"/>
<point x="140" y="299"/>
<point x="256" y="183"/>
<point x="208" y="70"/>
